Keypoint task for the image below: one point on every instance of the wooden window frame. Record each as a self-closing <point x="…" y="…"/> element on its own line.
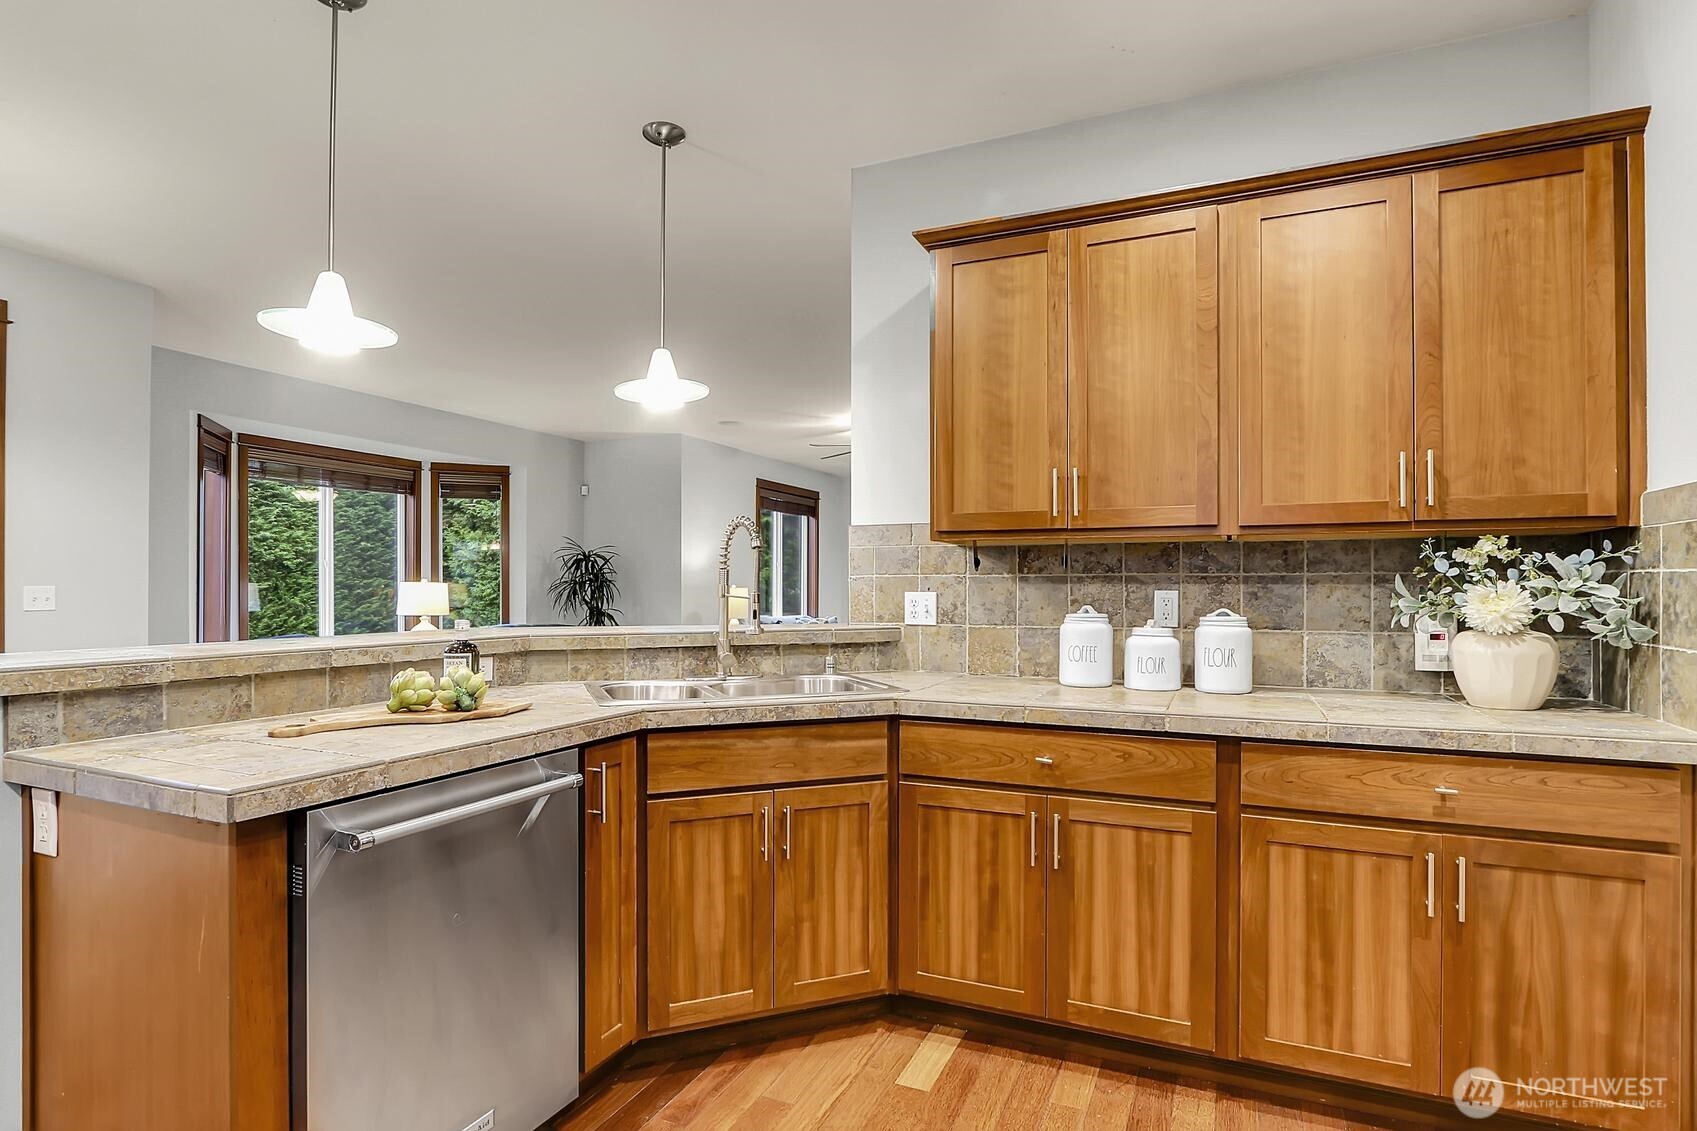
<point x="212" y="623"/>
<point x="246" y="444"/>
<point x="793" y="500"/>
<point x="451" y="471"/>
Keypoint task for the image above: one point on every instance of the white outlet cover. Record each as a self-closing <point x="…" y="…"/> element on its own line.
<point x="486" y="666"/>
<point x="919" y="608"/>
<point x="1166" y="608"/>
<point x="44" y="828"/>
<point x="40" y="598"/>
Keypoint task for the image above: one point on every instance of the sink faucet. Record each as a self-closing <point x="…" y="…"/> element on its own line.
<point x="743" y="522"/>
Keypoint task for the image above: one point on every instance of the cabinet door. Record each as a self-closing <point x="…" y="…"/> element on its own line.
<point x="709" y="908"/>
<point x="832" y="888"/>
<point x="609" y="899"/>
<point x="971" y="921"/>
<point x="1321" y="340"/>
<point x="1340" y="948"/>
<point x="998" y="385"/>
<point x="1143" y="384"/>
<point x="1131" y="919"/>
<point x="1520" y="373"/>
<point x="1561" y="966"/>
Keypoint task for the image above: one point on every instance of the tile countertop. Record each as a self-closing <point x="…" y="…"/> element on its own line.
<point x="234" y="772"/>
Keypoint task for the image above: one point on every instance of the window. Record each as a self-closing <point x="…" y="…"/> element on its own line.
<point x="789" y="549"/>
<point x="324" y="536"/>
<point x="469" y="520"/>
<point x="213" y="499"/>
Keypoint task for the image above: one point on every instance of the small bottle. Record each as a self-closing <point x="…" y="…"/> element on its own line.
<point x="461" y="653"/>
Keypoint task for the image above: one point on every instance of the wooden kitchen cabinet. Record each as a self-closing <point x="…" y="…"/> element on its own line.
<point x="998" y="385"/>
<point x="709" y="908"/>
<point x="1319" y="328"/>
<point x="832" y="892"/>
<point x="609" y="900"/>
<point x="1562" y="964"/>
<point x="1143" y="381"/>
<point x="971" y="925"/>
<point x="1340" y="957"/>
<point x="1131" y="919"/>
<point x="1520" y="371"/>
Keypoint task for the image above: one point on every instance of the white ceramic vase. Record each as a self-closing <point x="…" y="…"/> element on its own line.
<point x="1505" y="673"/>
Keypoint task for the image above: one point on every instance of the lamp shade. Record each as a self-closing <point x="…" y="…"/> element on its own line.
<point x="422" y="599"/>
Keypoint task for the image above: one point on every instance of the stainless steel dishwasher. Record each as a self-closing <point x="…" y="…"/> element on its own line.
<point x="434" y="954"/>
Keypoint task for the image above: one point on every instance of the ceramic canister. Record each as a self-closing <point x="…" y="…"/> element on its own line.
<point x="1225" y="649"/>
<point x="1152" y="659"/>
<point x="1087" y="649"/>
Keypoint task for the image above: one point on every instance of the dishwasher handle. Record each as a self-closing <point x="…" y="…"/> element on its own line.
<point x="358" y="840"/>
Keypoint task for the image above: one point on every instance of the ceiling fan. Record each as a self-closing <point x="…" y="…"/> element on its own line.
<point x="838" y="440"/>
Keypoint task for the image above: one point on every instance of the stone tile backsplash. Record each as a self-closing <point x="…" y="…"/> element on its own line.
<point x="1321" y="610"/>
<point x="1660" y="680"/>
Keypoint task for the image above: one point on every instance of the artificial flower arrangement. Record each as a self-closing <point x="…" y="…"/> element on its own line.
<point x="1499" y="589"/>
<point x="1499" y="592"/>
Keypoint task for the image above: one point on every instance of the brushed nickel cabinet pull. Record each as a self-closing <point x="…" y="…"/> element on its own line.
<point x="786" y="832"/>
<point x="1044" y="760"/>
<point x="601" y="812"/>
<point x="1054" y="492"/>
<point x="1034" y="838"/>
<point x="1447" y="791"/>
<point x="1461" y="889"/>
<point x="1057" y="836"/>
<point x="1075" y="492"/>
<point x="1402" y="480"/>
<point x="765" y="832"/>
<point x="1431" y="884"/>
<point x="1431" y="480"/>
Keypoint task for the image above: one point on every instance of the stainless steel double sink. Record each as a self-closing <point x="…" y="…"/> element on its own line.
<point x="626" y="691"/>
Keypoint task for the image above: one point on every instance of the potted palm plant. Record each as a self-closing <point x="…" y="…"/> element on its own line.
<point x="588" y="584"/>
<point x="1499" y="592"/>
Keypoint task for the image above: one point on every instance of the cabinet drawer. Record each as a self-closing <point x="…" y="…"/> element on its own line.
<point x="1179" y="769"/>
<point x="1625" y="802"/>
<point x="732" y="758"/>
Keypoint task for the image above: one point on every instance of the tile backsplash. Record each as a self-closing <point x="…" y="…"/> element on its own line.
<point x="1321" y="610"/>
<point x="1660" y="680"/>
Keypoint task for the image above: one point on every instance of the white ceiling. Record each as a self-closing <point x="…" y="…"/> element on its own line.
<point x="498" y="206"/>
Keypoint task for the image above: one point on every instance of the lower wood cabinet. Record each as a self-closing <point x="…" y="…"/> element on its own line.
<point x="1092" y="913"/>
<point x="609" y="900"/>
<point x="1406" y="958"/>
<point x="756" y="900"/>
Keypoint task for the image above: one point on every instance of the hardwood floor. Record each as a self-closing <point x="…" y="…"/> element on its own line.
<point x="889" y="1072"/>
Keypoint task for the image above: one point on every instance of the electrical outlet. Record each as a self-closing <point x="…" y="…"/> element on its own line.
<point x="1431" y="646"/>
<point x="44" y="828"/>
<point x="40" y="598"/>
<point x="486" y="666"/>
<point x="919" y="608"/>
<point x="1166" y="608"/>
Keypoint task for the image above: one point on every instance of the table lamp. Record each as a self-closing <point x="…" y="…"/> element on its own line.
<point x="422" y="599"/>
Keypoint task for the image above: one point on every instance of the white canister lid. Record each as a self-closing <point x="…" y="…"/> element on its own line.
<point x="1225" y="618"/>
<point x="1150" y="628"/>
<point x="1086" y="614"/>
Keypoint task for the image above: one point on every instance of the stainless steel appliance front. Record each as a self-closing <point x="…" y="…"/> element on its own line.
<point x="434" y="953"/>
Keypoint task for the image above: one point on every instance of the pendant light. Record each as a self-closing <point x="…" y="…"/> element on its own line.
<point x="327" y="324"/>
<point x="662" y="390"/>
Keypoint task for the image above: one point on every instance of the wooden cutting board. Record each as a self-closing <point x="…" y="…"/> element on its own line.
<point x="380" y="717"/>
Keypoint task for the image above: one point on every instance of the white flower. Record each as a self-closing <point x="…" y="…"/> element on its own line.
<point x="1499" y="609"/>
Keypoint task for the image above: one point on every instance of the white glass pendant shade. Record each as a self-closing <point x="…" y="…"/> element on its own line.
<point x="662" y="390"/>
<point x="328" y="324"/>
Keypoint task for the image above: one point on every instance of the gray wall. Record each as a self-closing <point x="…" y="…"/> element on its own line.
<point x="76" y="453"/>
<point x="1494" y="82"/>
<point x="635" y="505"/>
<point x="718" y="485"/>
<point x="546" y="470"/>
<point x="1641" y="55"/>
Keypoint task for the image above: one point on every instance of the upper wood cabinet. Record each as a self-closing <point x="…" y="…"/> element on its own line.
<point x="1443" y="340"/>
<point x="998" y="385"/>
<point x="1143" y="376"/>
<point x="1520" y="366"/>
<point x="609" y="899"/>
<point x="1320" y="340"/>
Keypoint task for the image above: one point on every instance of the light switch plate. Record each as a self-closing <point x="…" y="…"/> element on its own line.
<point x="919" y="608"/>
<point x="44" y="827"/>
<point x="1166" y="608"/>
<point x="40" y="598"/>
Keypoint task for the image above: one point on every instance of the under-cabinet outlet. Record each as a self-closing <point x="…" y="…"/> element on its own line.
<point x="1166" y="608"/>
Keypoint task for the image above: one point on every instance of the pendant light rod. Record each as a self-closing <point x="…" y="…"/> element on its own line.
<point x="665" y="135"/>
<point x="335" y="60"/>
